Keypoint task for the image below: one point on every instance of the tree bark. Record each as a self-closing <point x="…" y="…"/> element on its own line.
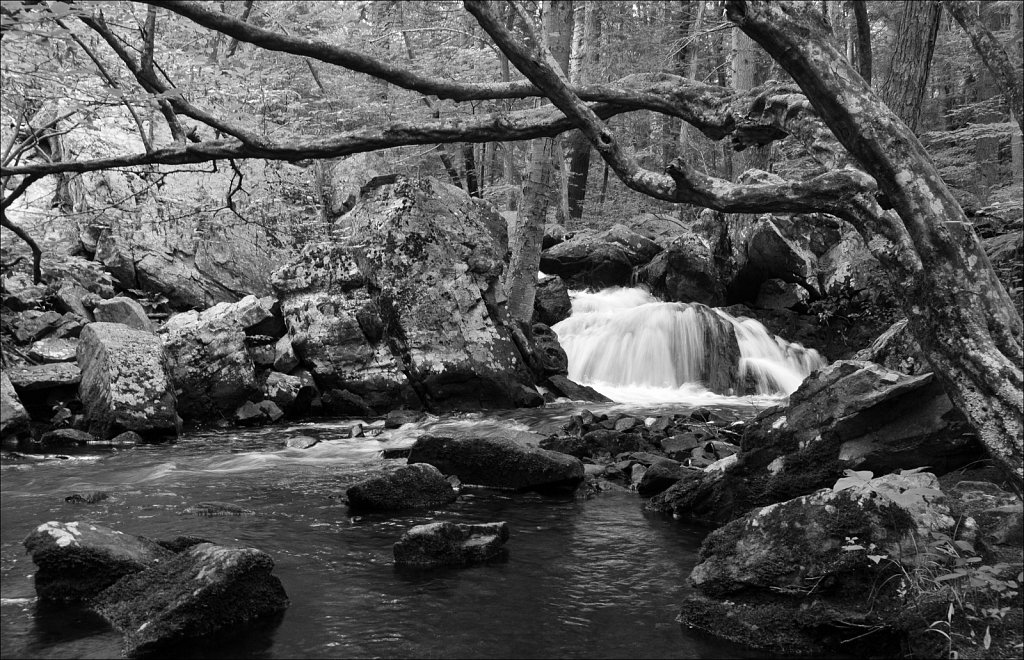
<point x="907" y="79"/>
<point x="528" y="233"/>
<point x="959" y="312"/>
<point x="863" y="39"/>
<point x="577" y="145"/>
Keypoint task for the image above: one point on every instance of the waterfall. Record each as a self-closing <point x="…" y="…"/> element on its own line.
<point x="630" y="346"/>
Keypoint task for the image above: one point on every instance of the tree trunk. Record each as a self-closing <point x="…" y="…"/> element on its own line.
<point x="577" y="146"/>
<point x="907" y="79"/>
<point x="863" y="40"/>
<point x="745" y="76"/>
<point x="528" y="232"/>
<point x="469" y="161"/>
<point x="959" y="312"/>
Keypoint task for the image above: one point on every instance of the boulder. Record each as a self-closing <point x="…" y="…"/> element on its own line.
<point x="282" y="389"/>
<point x="572" y="390"/>
<point x="284" y="355"/>
<point x="402" y="311"/>
<point x="78" y="560"/>
<point x="124" y="310"/>
<point x="30" y="378"/>
<point x="53" y="349"/>
<point x="897" y="349"/>
<point x="770" y="255"/>
<point x="410" y="487"/>
<point x="849" y="415"/>
<point x="203" y="590"/>
<point x="59" y="438"/>
<point x="125" y="386"/>
<point x="209" y="364"/>
<point x="33" y="324"/>
<point x="779" y="294"/>
<point x="499" y="463"/>
<point x="21" y="292"/>
<point x="659" y="476"/>
<point x="70" y="298"/>
<point x="766" y="574"/>
<point x="14" y="419"/>
<point x="301" y="442"/>
<point x="551" y="303"/>
<point x="547" y="356"/>
<point x="687" y="270"/>
<point x="450" y="544"/>
<point x="396" y="418"/>
<point x="598" y="260"/>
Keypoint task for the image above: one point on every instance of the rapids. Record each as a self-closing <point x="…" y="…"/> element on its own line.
<point x="632" y="347"/>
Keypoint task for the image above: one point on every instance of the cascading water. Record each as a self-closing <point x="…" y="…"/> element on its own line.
<point x="630" y="346"/>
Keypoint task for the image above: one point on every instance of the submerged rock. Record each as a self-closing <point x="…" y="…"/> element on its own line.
<point x="413" y="486"/>
<point x="499" y="463"/>
<point x="78" y="560"/>
<point x="450" y="544"/>
<point x="203" y="590"/>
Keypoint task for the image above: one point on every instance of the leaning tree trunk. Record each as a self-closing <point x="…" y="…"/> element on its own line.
<point x="959" y="311"/>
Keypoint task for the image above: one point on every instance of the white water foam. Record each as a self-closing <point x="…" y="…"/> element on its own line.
<point x="634" y="348"/>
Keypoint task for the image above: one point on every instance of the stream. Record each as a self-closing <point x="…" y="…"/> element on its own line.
<point x="585" y="578"/>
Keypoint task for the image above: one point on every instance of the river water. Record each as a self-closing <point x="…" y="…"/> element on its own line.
<point x="584" y="578"/>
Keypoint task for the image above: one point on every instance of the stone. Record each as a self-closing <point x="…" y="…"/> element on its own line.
<point x="33" y="324"/>
<point x="78" y="560"/>
<point x="249" y="414"/>
<point x="499" y="463"/>
<point x="66" y="438"/>
<point x="408" y="296"/>
<point x="14" y="419"/>
<point x="849" y="415"/>
<point x="91" y="497"/>
<point x="551" y="303"/>
<point x="263" y="355"/>
<point x="270" y="410"/>
<point x="420" y="485"/>
<point x="70" y="298"/>
<point x="398" y="418"/>
<point x="203" y="590"/>
<point x="284" y="355"/>
<point x="53" y="349"/>
<point x="282" y="389"/>
<point x="681" y="445"/>
<point x="779" y="294"/>
<point x="21" y="292"/>
<point x="301" y="442"/>
<point x="209" y="364"/>
<point x="127" y="439"/>
<point x="125" y="384"/>
<point x="686" y="271"/>
<point x="450" y="544"/>
<point x="30" y="378"/>
<point x="659" y="476"/>
<point x="897" y="349"/>
<point x="548" y="357"/>
<point x="598" y="260"/>
<point x="124" y="310"/>
<point x="572" y="390"/>
<point x="768" y="563"/>
<point x="214" y="509"/>
<point x="771" y="255"/>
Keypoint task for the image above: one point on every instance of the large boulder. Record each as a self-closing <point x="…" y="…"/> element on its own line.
<point x="551" y="303"/>
<point x="78" y="560"/>
<point x="849" y="415"/>
<point x="450" y="544"/>
<point x="599" y="260"/>
<point x="39" y="385"/>
<point x="209" y="363"/>
<point x="204" y="590"/>
<point x="121" y="309"/>
<point x="788" y="577"/>
<point x="409" y="487"/>
<point x="689" y="270"/>
<point x="499" y="463"/>
<point x="401" y="308"/>
<point x="770" y="254"/>
<point x="14" y="419"/>
<point x="125" y="386"/>
<point x="897" y="349"/>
